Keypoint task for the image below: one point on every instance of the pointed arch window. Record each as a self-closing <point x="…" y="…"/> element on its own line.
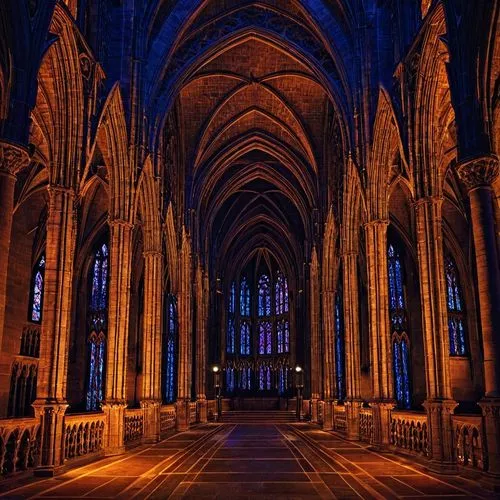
<point x="282" y="307"/>
<point x="283" y="380"/>
<point x="231" y="334"/>
<point x="245" y="379"/>
<point x="170" y="350"/>
<point x="245" y="338"/>
<point x="281" y="294"/>
<point x="230" y="379"/>
<point x="244" y="298"/>
<point x="398" y="316"/>
<point x="339" y="346"/>
<point x="456" y="309"/>
<point x="264" y="378"/>
<point x="36" y="293"/>
<point x="265" y="337"/>
<point x="98" y="316"/>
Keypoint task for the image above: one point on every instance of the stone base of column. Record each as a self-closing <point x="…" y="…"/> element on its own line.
<point x="202" y="406"/>
<point x="114" y="433"/>
<point x="51" y="415"/>
<point x="182" y="415"/>
<point x="352" y="408"/>
<point x="441" y="450"/>
<point x="491" y="425"/>
<point x="151" y="409"/>
<point x="314" y="410"/>
<point x="381" y="411"/>
<point x="328" y="415"/>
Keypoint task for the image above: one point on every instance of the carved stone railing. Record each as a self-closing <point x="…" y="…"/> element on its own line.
<point x="365" y="424"/>
<point x="409" y="432"/>
<point x="193" y="416"/>
<point x="134" y="424"/>
<point x="469" y="441"/>
<point x="321" y="412"/>
<point x="167" y="418"/>
<point x="83" y="434"/>
<point x="339" y="418"/>
<point x="19" y="444"/>
<point x="211" y="409"/>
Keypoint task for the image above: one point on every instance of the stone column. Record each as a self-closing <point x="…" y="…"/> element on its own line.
<point x="328" y="357"/>
<point x="380" y="331"/>
<point x="478" y="175"/>
<point x="152" y="349"/>
<point x="184" y="369"/>
<point x="201" y="343"/>
<point x="12" y="159"/>
<point x="51" y="404"/>
<point x="117" y="339"/>
<point x="353" y="401"/>
<point x="315" y="337"/>
<point x="439" y="404"/>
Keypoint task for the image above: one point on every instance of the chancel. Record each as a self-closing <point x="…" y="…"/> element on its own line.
<point x="249" y="248"/>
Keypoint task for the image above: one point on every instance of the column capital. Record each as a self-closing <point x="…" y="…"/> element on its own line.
<point x="443" y="406"/>
<point x="376" y="223"/>
<point x="429" y="200"/>
<point x="150" y="403"/>
<point x="478" y="172"/>
<point x="13" y="158"/>
<point x="152" y="253"/>
<point x="114" y="222"/>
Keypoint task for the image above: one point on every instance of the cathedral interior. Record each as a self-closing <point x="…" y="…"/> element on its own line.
<point x="249" y="248"/>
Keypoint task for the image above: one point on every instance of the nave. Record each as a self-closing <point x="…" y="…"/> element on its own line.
<point x="289" y="461"/>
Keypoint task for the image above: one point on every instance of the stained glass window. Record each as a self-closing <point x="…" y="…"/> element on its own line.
<point x="245" y="379"/>
<point x="283" y="336"/>
<point x="265" y="378"/>
<point x="231" y="341"/>
<point x="281" y="294"/>
<point x="245" y="338"/>
<point x="98" y="317"/>
<point x="401" y="366"/>
<point x="230" y="379"/>
<point x="264" y="292"/>
<point x="244" y="298"/>
<point x="265" y="337"/>
<point x="283" y="380"/>
<point x="456" y="310"/>
<point x="400" y="341"/>
<point x="37" y="285"/>
<point x="170" y="350"/>
<point x="339" y="347"/>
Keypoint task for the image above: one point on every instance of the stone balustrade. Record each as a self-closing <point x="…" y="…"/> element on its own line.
<point x="167" y="418"/>
<point x="339" y="418"/>
<point x="409" y="432"/>
<point x="83" y="434"/>
<point x="19" y="444"/>
<point x="134" y="424"/>
<point x="193" y="415"/>
<point x="366" y="424"/>
<point x="468" y="440"/>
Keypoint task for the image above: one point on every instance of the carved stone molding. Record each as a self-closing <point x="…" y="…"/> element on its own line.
<point x="479" y="171"/>
<point x="13" y="158"/>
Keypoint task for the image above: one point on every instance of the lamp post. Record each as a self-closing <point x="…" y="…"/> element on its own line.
<point x="218" y="397"/>
<point x="299" y="384"/>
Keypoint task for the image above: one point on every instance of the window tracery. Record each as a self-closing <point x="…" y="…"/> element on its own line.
<point x="456" y="309"/>
<point x="339" y="346"/>
<point x="170" y="350"/>
<point x="37" y="289"/>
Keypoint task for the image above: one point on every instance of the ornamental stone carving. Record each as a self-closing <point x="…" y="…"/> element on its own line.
<point x="479" y="171"/>
<point x="13" y="158"/>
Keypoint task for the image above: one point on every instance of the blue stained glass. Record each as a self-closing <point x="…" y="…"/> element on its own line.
<point x="170" y="351"/>
<point x="245" y="338"/>
<point x="456" y="313"/>
<point x="405" y="361"/>
<point x="398" y="378"/>
<point x="283" y="335"/>
<point x="37" y="291"/>
<point x="244" y="298"/>
<point x="283" y="380"/>
<point x="401" y="363"/>
<point x="99" y="295"/>
<point x="396" y="292"/>
<point x="246" y="379"/>
<point x="265" y="378"/>
<point x="230" y="348"/>
<point x="265" y="337"/>
<point x="232" y="298"/>
<point x="230" y="379"/>
<point x="95" y="382"/>
<point x="264" y="292"/>
<point x="339" y="347"/>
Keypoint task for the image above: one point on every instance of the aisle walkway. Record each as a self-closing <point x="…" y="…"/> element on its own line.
<point x="249" y="461"/>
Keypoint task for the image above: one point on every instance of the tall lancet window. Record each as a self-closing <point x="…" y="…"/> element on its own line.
<point x="282" y="307"/>
<point x="170" y="349"/>
<point x="264" y="313"/>
<point x="339" y="346"/>
<point x="231" y="310"/>
<point x="400" y="340"/>
<point x="456" y="309"/>
<point x="244" y="317"/>
<point x="36" y="294"/>
<point x="97" y="319"/>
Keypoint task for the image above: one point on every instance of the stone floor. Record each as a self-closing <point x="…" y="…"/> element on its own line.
<point x="248" y="461"/>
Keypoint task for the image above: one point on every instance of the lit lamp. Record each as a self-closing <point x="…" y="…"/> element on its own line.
<point x="299" y="384"/>
<point x="218" y="397"/>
